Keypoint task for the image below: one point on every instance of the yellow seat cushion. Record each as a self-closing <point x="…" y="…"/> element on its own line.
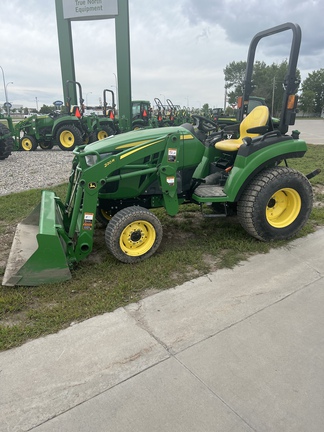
<point x="259" y="116"/>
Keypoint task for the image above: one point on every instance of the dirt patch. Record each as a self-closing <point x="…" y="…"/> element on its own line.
<point x="318" y="196"/>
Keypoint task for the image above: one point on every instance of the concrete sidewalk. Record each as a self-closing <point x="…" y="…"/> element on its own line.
<point x="236" y="350"/>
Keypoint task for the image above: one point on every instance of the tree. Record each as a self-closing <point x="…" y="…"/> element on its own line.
<point x="312" y="96"/>
<point x="234" y="75"/>
<point x="268" y="81"/>
<point x="306" y="101"/>
<point x="46" y="109"/>
<point x="205" y="109"/>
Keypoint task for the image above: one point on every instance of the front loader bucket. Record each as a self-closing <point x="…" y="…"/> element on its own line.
<point x="37" y="253"/>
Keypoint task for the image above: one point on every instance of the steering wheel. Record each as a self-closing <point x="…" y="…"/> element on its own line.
<point x="53" y="115"/>
<point x="205" y="124"/>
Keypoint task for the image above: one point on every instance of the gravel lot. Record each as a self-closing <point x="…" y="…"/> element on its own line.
<point x="34" y="170"/>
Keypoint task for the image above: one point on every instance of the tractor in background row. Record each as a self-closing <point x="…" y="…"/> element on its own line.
<point x="6" y="142"/>
<point x="67" y="129"/>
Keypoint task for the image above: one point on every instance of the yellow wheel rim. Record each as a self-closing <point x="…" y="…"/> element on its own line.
<point x="105" y="214"/>
<point x="283" y="208"/>
<point x="137" y="238"/>
<point x="102" y="134"/>
<point x="26" y="144"/>
<point x="67" y="139"/>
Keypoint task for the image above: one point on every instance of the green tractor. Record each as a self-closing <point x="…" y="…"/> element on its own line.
<point x="67" y="130"/>
<point x="6" y="142"/>
<point x="108" y="123"/>
<point x="92" y="127"/>
<point x="141" y="114"/>
<point x="126" y="176"/>
<point x="161" y="117"/>
<point x="41" y="131"/>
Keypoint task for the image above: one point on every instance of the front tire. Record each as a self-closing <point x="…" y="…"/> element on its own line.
<point x="276" y="204"/>
<point x="133" y="234"/>
<point x="68" y="137"/>
<point x="28" y="143"/>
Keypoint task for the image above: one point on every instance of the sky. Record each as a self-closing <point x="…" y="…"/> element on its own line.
<point x="179" y="49"/>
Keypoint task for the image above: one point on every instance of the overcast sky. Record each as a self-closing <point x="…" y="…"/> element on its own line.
<point x="179" y="48"/>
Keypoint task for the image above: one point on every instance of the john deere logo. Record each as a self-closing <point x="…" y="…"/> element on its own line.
<point x="92" y="185"/>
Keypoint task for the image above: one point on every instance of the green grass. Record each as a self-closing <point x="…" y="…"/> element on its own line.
<point x="192" y="246"/>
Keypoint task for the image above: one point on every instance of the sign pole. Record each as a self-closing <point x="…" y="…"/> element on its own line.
<point x="123" y="65"/>
<point x="67" y="11"/>
<point x="66" y="52"/>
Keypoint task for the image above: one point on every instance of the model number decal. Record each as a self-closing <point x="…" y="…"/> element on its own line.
<point x="109" y="162"/>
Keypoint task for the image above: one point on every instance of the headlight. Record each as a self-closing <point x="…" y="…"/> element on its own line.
<point x="91" y="159"/>
<point x="94" y="158"/>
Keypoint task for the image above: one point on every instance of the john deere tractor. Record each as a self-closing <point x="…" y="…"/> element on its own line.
<point x="141" y="114"/>
<point x="6" y="142"/>
<point x="125" y="176"/>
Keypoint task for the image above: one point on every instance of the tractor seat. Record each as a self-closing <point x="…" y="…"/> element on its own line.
<point x="258" y="117"/>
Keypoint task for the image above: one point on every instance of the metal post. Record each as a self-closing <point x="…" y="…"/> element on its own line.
<point x="5" y="91"/>
<point x="66" y="52"/>
<point x="123" y="65"/>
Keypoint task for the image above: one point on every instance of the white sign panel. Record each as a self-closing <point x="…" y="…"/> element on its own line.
<point x="78" y="10"/>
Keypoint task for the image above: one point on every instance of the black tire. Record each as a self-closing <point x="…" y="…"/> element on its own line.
<point x="68" y="137"/>
<point x="6" y="142"/>
<point x="276" y="204"/>
<point x="133" y="234"/>
<point x="28" y="143"/>
<point x="103" y="133"/>
<point x="103" y="216"/>
<point x="137" y="126"/>
<point x="46" y="145"/>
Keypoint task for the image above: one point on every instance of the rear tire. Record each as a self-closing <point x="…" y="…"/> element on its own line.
<point x="133" y="234"/>
<point x="103" y="133"/>
<point x="28" y="143"/>
<point x="276" y="205"/>
<point x="6" y="142"/>
<point x="45" y="145"/>
<point x="103" y="216"/>
<point x="68" y="137"/>
<point x="137" y="126"/>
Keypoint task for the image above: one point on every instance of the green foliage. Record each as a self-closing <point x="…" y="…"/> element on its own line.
<point x="268" y="82"/>
<point x="47" y="109"/>
<point x="312" y="97"/>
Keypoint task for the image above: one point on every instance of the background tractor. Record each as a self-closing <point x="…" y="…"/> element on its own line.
<point x="141" y="114"/>
<point x="6" y="142"/>
<point x="128" y="175"/>
<point x="66" y="129"/>
<point x="108" y="122"/>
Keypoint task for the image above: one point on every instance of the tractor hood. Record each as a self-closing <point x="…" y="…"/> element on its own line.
<point x="133" y="139"/>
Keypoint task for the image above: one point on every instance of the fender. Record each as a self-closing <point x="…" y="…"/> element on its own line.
<point x="253" y="158"/>
<point x="61" y="121"/>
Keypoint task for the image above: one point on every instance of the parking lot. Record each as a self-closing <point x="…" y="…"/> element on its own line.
<point x="312" y="131"/>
